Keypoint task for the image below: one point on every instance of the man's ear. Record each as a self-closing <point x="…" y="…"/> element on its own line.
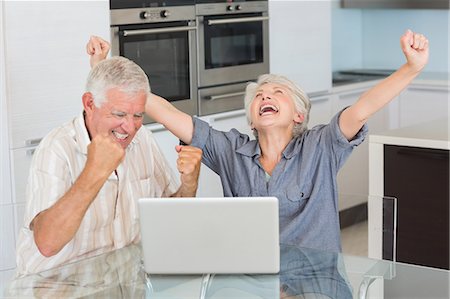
<point x="88" y="102"/>
<point x="299" y="117"/>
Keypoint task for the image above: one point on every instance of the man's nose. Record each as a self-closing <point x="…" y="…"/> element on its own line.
<point x="128" y="124"/>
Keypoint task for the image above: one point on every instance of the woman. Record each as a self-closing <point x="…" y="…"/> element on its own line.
<point x="296" y="165"/>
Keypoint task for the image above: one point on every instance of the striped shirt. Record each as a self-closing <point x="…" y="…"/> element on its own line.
<point x="112" y="219"/>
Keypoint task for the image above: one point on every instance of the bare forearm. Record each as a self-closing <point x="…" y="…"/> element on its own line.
<point x="55" y="227"/>
<point x="186" y="191"/>
<point x="373" y="100"/>
<point x="176" y="121"/>
<point x="384" y="92"/>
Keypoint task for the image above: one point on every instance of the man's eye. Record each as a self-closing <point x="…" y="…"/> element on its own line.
<point x="119" y="114"/>
<point x="278" y="91"/>
<point x="139" y="115"/>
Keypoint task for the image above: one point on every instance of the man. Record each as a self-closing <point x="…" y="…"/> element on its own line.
<point x="86" y="175"/>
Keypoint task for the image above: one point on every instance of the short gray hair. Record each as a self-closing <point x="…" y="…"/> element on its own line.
<point x="299" y="97"/>
<point x="116" y="72"/>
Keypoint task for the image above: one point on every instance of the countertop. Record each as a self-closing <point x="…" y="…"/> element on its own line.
<point x="434" y="134"/>
<point x="438" y="79"/>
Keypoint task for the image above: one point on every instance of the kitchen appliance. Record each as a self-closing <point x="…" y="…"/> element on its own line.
<point x="233" y="48"/>
<point x="160" y="36"/>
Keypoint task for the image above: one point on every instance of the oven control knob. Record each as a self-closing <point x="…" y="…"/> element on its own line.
<point x="164" y="13"/>
<point x="144" y="15"/>
<point x="238" y="7"/>
<point x="230" y="8"/>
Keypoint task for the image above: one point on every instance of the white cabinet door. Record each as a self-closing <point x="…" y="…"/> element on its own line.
<point x="353" y="178"/>
<point x="321" y="110"/>
<point x="7" y="237"/>
<point x="300" y="42"/>
<point x="167" y="142"/>
<point x="423" y="103"/>
<point x="46" y="61"/>
<point x="20" y="163"/>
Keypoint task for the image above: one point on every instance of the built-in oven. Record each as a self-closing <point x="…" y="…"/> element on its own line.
<point x="161" y="39"/>
<point x="233" y="48"/>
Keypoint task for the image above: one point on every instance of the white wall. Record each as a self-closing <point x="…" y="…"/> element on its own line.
<point x="5" y="182"/>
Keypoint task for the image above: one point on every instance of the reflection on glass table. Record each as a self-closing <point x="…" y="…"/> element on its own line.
<point x="305" y="273"/>
<point x="120" y="274"/>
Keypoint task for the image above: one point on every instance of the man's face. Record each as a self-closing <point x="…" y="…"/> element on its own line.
<point x="120" y="116"/>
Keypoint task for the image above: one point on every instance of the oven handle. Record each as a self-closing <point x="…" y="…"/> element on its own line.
<point x="158" y="30"/>
<point x="237" y="20"/>
<point x="224" y="96"/>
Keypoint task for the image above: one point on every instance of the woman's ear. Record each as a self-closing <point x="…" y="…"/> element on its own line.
<point x="299" y="117"/>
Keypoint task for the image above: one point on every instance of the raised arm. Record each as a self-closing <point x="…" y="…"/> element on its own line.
<point x="415" y="49"/>
<point x="158" y="108"/>
<point x="176" y="121"/>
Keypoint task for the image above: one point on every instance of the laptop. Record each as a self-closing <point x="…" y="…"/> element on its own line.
<point x="210" y="235"/>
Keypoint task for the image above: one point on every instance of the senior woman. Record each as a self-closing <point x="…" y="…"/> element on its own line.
<point x="297" y="165"/>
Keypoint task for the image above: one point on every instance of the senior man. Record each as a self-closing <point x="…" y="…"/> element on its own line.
<point x="87" y="175"/>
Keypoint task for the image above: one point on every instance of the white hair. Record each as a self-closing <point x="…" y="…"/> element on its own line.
<point x="299" y="97"/>
<point x="116" y="72"/>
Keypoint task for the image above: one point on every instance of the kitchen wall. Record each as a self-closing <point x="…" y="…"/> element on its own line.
<point x="369" y="38"/>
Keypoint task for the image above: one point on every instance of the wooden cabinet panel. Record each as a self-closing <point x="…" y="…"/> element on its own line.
<point x="419" y="179"/>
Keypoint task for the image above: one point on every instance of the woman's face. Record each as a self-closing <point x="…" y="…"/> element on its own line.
<point x="273" y="107"/>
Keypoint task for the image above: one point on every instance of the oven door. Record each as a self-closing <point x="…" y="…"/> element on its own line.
<point x="233" y="48"/>
<point x="167" y="54"/>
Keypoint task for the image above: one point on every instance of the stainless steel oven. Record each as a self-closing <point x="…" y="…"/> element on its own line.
<point x="162" y="40"/>
<point x="233" y="48"/>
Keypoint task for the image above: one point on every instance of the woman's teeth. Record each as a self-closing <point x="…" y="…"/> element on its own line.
<point x="120" y="136"/>
<point x="267" y="108"/>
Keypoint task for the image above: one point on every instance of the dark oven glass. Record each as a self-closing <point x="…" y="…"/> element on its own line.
<point x="164" y="57"/>
<point x="232" y="44"/>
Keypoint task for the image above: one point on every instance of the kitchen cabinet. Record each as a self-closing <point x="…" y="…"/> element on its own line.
<point x="419" y="179"/>
<point x="44" y="66"/>
<point x="412" y="164"/>
<point x="421" y="103"/>
<point x="300" y="42"/>
<point x="321" y="110"/>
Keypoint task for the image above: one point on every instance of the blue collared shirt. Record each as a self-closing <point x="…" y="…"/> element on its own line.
<point x="304" y="181"/>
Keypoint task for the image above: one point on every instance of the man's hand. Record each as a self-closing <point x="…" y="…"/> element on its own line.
<point x="188" y="164"/>
<point x="104" y="155"/>
<point x="97" y="48"/>
<point x="415" y="48"/>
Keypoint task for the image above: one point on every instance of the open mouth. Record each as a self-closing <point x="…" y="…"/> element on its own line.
<point x="119" y="135"/>
<point x="267" y="109"/>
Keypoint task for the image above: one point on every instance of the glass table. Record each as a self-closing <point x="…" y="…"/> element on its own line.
<point x="305" y="273"/>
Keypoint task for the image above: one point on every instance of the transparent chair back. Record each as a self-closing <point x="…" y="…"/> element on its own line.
<point x="382" y="230"/>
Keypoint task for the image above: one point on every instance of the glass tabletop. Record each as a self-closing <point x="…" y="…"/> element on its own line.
<point x="305" y="273"/>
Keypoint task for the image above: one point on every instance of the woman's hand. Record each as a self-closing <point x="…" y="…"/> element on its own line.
<point x="97" y="48"/>
<point x="415" y="48"/>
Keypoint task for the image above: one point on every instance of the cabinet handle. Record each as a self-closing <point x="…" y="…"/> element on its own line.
<point x="237" y="20"/>
<point x="429" y="88"/>
<point x="30" y="152"/>
<point x="157" y="30"/>
<point x="33" y="142"/>
<point x="224" y="96"/>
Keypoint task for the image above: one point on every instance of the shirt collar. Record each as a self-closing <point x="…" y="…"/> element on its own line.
<point x="252" y="148"/>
